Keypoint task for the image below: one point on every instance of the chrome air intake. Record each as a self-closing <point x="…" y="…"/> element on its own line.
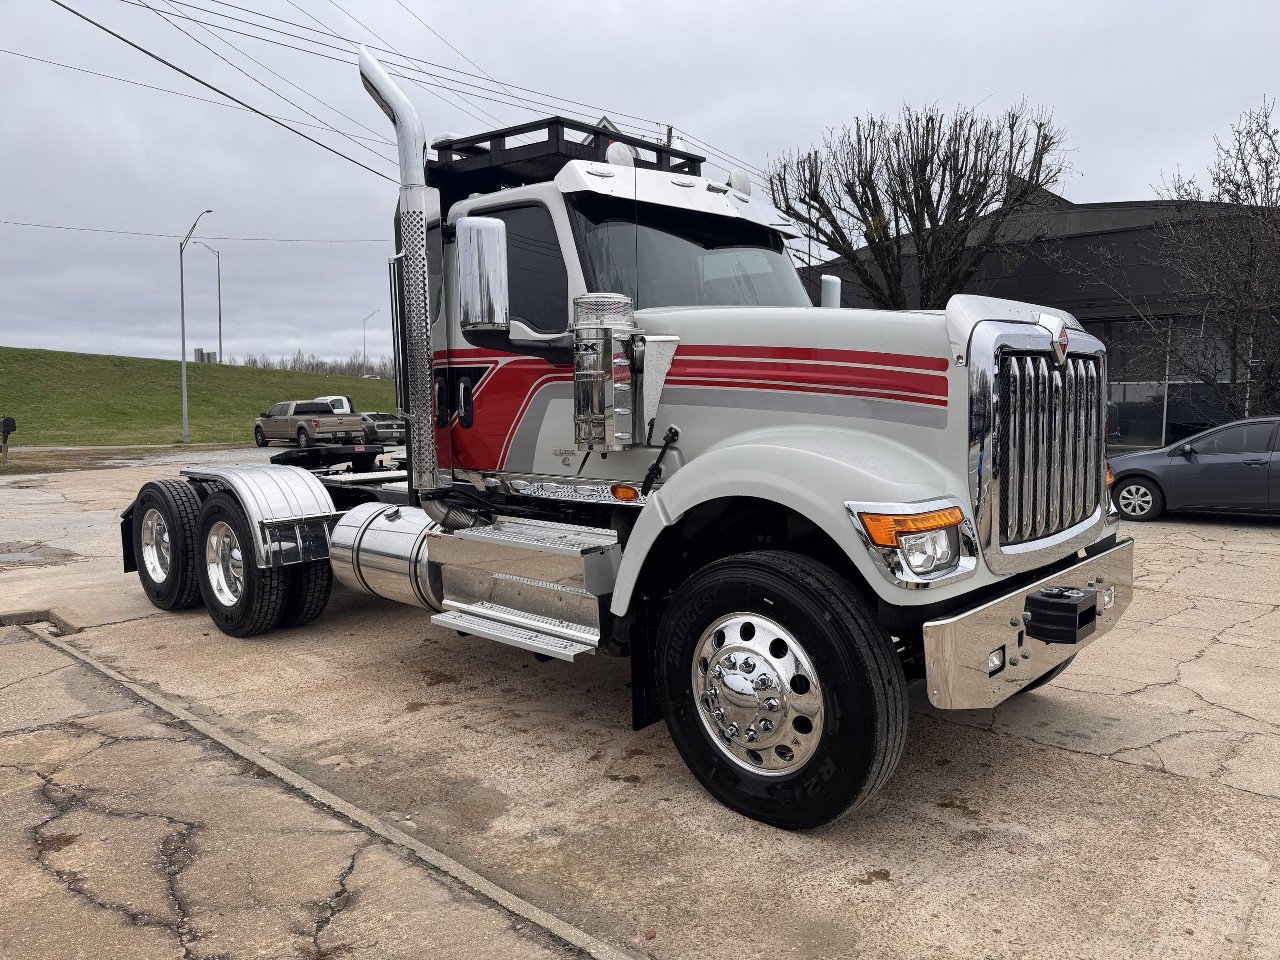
<point x="381" y="549"/>
<point x="603" y="360"/>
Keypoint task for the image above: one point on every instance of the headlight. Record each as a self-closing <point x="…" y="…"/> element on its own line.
<point x="929" y="552"/>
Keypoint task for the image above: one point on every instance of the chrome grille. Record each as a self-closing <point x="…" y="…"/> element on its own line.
<point x="1049" y="444"/>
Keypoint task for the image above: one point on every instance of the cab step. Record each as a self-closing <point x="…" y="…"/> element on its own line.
<point x="519" y="629"/>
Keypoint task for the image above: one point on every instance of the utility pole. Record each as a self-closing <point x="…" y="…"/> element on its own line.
<point x="364" y="333"/>
<point x="217" y="255"/>
<point x="182" y="322"/>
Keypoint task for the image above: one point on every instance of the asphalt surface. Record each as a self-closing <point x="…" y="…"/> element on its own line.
<point x="1131" y="808"/>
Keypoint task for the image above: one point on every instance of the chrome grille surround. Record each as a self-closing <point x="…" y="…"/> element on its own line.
<point x="1036" y="454"/>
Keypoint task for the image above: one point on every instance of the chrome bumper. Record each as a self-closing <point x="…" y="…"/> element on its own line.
<point x="956" y="649"/>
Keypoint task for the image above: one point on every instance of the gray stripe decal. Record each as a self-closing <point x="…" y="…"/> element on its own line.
<point x="524" y="444"/>
<point x="863" y="408"/>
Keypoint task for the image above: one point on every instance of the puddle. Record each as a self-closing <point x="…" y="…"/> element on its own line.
<point x="13" y="555"/>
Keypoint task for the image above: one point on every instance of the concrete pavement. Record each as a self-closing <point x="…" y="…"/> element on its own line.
<point x="1131" y="808"/>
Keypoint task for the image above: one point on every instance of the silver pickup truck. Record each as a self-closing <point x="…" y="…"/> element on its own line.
<point x="307" y="422"/>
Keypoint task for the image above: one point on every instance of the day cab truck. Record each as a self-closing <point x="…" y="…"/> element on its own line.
<point x="306" y="422"/>
<point x="632" y="434"/>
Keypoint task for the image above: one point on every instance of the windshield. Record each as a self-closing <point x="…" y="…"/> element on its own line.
<point x="667" y="257"/>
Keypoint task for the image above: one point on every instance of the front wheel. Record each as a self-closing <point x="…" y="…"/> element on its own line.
<point x="782" y="694"/>
<point x="304" y="438"/>
<point x="259" y="437"/>
<point x="242" y="598"/>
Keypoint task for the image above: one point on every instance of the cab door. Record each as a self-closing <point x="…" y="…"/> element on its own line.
<point x="1228" y="469"/>
<point x="277" y="416"/>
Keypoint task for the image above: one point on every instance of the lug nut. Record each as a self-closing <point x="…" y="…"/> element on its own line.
<point x="730" y="662"/>
<point x="766" y="725"/>
<point x="748" y="665"/>
<point x="751" y="735"/>
<point x="731" y="730"/>
<point x="713" y="693"/>
<point x="772" y="704"/>
<point x="718" y="672"/>
<point x="764" y="681"/>
<point x="718" y="713"/>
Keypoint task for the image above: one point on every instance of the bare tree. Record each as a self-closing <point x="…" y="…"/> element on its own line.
<point x="922" y="197"/>
<point x="1214" y="318"/>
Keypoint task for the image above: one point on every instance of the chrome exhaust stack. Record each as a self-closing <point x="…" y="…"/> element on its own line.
<point x="411" y="213"/>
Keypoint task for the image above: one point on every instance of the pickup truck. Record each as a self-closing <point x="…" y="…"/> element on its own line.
<point x="307" y="422"/>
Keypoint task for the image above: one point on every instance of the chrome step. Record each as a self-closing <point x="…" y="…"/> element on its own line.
<point x="543" y="536"/>
<point x="516" y="636"/>
<point x="555" y="626"/>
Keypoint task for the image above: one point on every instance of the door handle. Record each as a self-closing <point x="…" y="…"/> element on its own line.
<point x="1257" y="463"/>
<point x="466" y="407"/>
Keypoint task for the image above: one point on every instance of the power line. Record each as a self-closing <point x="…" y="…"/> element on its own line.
<point x="178" y="236"/>
<point x="369" y="30"/>
<point x="297" y="106"/>
<point x="409" y="10"/>
<point x="176" y="93"/>
<point x="219" y="90"/>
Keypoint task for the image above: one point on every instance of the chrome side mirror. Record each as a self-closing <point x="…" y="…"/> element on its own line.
<point x="483" y="303"/>
<point x="1187" y="450"/>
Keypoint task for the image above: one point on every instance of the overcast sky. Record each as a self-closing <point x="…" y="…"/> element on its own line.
<point x="1140" y="87"/>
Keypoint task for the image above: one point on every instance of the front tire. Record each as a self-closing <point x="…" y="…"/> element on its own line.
<point x="164" y="543"/>
<point x="782" y="694"/>
<point x="304" y="438"/>
<point x="242" y="598"/>
<point x="1138" y="498"/>
<point x="259" y="437"/>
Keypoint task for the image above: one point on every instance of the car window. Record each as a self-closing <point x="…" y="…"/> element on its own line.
<point x="312" y="409"/>
<point x="1246" y="438"/>
<point x="537" y="281"/>
<point x="279" y="410"/>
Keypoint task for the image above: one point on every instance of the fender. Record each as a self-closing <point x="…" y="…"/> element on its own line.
<point x="288" y="508"/>
<point x="812" y="470"/>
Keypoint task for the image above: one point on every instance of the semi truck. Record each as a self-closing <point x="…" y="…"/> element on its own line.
<point x="632" y="434"/>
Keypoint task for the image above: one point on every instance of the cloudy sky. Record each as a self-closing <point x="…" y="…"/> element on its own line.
<point x="1141" y="88"/>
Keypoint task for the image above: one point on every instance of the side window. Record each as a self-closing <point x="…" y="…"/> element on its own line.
<point x="1247" y="438"/>
<point x="279" y="410"/>
<point x="536" y="275"/>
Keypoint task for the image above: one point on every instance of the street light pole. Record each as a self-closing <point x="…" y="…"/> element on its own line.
<point x="364" y="333"/>
<point x="182" y="321"/>
<point x="217" y="255"/>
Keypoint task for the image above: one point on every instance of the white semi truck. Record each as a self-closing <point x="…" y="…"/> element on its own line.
<point x="631" y="433"/>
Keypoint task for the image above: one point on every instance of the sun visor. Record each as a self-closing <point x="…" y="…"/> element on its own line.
<point x="671" y="190"/>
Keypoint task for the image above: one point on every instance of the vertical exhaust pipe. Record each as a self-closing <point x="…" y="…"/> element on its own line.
<point x="411" y="213"/>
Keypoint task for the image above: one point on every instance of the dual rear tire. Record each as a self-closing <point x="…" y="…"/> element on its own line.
<point x="187" y="552"/>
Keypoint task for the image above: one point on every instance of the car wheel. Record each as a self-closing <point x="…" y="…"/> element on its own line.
<point x="242" y="598"/>
<point x="259" y="437"/>
<point x="304" y="438"/>
<point x="164" y="543"/>
<point x="307" y="592"/>
<point x="1138" y="499"/>
<point x="782" y="694"/>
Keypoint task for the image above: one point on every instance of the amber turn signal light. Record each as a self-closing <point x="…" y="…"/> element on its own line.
<point x="885" y="528"/>
<point x="624" y="491"/>
<point x="1111" y="477"/>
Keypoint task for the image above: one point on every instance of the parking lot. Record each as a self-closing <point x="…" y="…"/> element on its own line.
<point x="1131" y="808"/>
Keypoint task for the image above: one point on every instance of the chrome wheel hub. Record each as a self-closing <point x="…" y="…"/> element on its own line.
<point x="156" y="549"/>
<point x="224" y="563"/>
<point x="1135" y="500"/>
<point x="758" y="694"/>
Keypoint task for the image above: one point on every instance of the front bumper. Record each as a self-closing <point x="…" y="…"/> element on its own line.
<point x="956" y="649"/>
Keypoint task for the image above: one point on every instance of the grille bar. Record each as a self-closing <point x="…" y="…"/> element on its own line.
<point x="1048" y="445"/>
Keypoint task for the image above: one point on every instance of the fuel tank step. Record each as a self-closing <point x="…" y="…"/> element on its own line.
<point x="532" y="637"/>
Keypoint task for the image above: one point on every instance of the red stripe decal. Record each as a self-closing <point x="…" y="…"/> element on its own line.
<point x="818" y="374"/>
<point x="818" y="354"/>
<point x="808" y="388"/>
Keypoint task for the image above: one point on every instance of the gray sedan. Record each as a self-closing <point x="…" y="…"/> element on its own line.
<point x="1229" y="468"/>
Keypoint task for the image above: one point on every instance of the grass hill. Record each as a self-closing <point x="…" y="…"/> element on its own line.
<point x="85" y="398"/>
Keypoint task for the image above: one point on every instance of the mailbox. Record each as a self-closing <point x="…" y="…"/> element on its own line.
<point x="8" y="425"/>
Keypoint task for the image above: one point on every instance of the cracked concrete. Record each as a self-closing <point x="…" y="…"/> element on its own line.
<point x="1131" y="808"/>
<point x="125" y="835"/>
